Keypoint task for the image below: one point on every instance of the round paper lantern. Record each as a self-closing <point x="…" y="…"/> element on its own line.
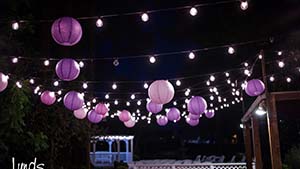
<point x="162" y="120"/>
<point x="3" y="82"/>
<point x="197" y="105"/>
<point x="255" y="87"/>
<point x="153" y="107"/>
<point x="194" y="116"/>
<point x="210" y="114"/>
<point x="161" y="92"/>
<point x="130" y="123"/>
<point x="124" y="116"/>
<point x="94" y="117"/>
<point x="67" y="69"/>
<point x="192" y="122"/>
<point x="101" y="108"/>
<point x="48" y="98"/>
<point x="66" y="31"/>
<point x="173" y="114"/>
<point x="73" y="100"/>
<point x="80" y="113"/>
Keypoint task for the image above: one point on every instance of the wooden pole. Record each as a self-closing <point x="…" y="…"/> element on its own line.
<point x="256" y="143"/>
<point x="248" y="144"/>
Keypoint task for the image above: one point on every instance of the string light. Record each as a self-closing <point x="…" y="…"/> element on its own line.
<point x="152" y="59"/>
<point x="132" y="96"/>
<point x="260" y="56"/>
<point x="211" y="98"/>
<point x="18" y="84"/>
<point x="59" y="92"/>
<point x="94" y="100"/>
<point x="244" y="5"/>
<point x="59" y="99"/>
<point x="281" y="64"/>
<point x="228" y="81"/>
<point x="247" y="72"/>
<point x="116" y="102"/>
<point x="15" y="25"/>
<point x="279" y="53"/>
<point x="288" y="79"/>
<point x="81" y="64"/>
<point x="36" y="90"/>
<point x="139" y="103"/>
<point x="107" y="96"/>
<point x="146" y="85"/>
<point x="178" y="82"/>
<point x="85" y="85"/>
<point x="145" y="17"/>
<point x="226" y="74"/>
<point x="99" y="23"/>
<point x="116" y="62"/>
<point x="272" y="79"/>
<point x="184" y="106"/>
<point x="114" y="86"/>
<point x="193" y="11"/>
<point x="15" y="60"/>
<point x="47" y="62"/>
<point x="56" y="83"/>
<point x="246" y="64"/>
<point x="31" y="81"/>
<point x="231" y="50"/>
<point x="88" y="103"/>
<point x="127" y="103"/>
<point x="174" y="103"/>
<point x="191" y="55"/>
<point x="212" y="78"/>
<point x="208" y="83"/>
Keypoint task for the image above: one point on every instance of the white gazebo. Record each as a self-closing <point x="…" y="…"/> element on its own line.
<point x="107" y="157"/>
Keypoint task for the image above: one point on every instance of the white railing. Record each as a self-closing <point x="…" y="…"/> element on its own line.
<point x="100" y="158"/>
<point x="189" y="166"/>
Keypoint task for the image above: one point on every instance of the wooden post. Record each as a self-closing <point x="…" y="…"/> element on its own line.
<point x="256" y="143"/>
<point x="248" y="144"/>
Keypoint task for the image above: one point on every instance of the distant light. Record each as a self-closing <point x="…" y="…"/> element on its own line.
<point x="15" y="60"/>
<point x="193" y="11"/>
<point x="227" y="74"/>
<point x="244" y="5"/>
<point x="56" y="83"/>
<point x="211" y="105"/>
<point x="288" y="79"/>
<point x="31" y="81"/>
<point x="208" y="83"/>
<point x="247" y="72"/>
<point x="132" y="96"/>
<point x="228" y="81"/>
<point x="146" y="85"/>
<point x="99" y="23"/>
<point x="231" y="50"/>
<point x="81" y="64"/>
<point x="127" y="103"/>
<point x="116" y="62"/>
<point x="59" y="92"/>
<point x="241" y="126"/>
<point x="233" y="102"/>
<point x="260" y="111"/>
<point x="212" y="78"/>
<point x="139" y="103"/>
<point x="183" y="106"/>
<point x="279" y="53"/>
<point x="272" y="79"/>
<point x="59" y="99"/>
<point x="18" y="84"/>
<point x="246" y="64"/>
<point x="174" y="103"/>
<point x="88" y="103"/>
<point x="47" y="62"/>
<point x="145" y="17"/>
<point x="191" y="55"/>
<point x="114" y="86"/>
<point x="116" y="102"/>
<point x="215" y="89"/>
<point x="281" y="64"/>
<point x="15" y="25"/>
<point x="178" y="82"/>
<point x="211" y="98"/>
<point x="94" y="100"/>
<point x="85" y="85"/>
<point x="237" y="93"/>
<point x="260" y="56"/>
<point x="152" y="59"/>
<point x="186" y="93"/>
<point x="107" y="96"/>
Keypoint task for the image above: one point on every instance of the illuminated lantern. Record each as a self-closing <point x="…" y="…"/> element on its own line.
<point x="67" y="69"/>
<point x="73" y="100"/>
<point x="192" y="122"/>
<point x="210" y="114"/>
<point x="101" y="109"/>
<point x="161" y="92"/>
<point x="162" y="120"/>
<point x="3" y="82"/>
<point x="173" y="114"/>
<point x="80" y="113"/>
<point x="124" y="116"/>
<point x="94" y="117"/>
<point x="130" y="123"/>
<point x="194" y="116"/>
<point x="197" y="105"/>
<point x="153" y="107"/>
<point x="66" y="31"/>
<point x="255" y="87"/>
<point x="48" y="98"/>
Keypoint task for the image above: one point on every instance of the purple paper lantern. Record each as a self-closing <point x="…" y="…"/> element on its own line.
<point x="161" y="92"/>
<point x="197" y="105"/>
<point x="3" y="82"/>
<point x="73" y="100"/>
<point x="66" y="31"/>
<point x="162" y="120"/>
<point x="94" y="117"/>
<point x="130" y="123"/>
<point x="80" y="113"/>
<point x="67" y="69"/>
<point x="173" y="114"/>
<point x="101" y="108"/>
<point x="124" y="116"/>
<point x="48" y="97"/>
<point x="153" y="107"/>
<point x="255" y="87"/>
<point x="192" y="122"/>
<point x="210" y="114"/>
<point x="194" y="116"/>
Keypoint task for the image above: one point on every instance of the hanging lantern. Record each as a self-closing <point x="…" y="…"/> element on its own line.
<point x="130" y="123"/>
<point x="192" y="122"/>
<point x="67" y="69"/>
<point x="3" y="82"/>
<point x="48" y="98"/>
<point x="173" y="114"/>
<point x="153" y="107"/>
<point x="162" y="120"/>
<point x="124" y="116"/>
<point x="161" y="92"/>
<point x="94" y="117"/>
<point x="101" y="108"/>
<point x="210" y="114"/>
<point x="73" y="100"/>
<point x="80" y="113"/>
<point x="66" y="31"/>
<point x="255" y="87"/>
<point x="197" y="105"/>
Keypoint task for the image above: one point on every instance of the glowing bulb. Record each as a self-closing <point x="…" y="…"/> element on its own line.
<point x="146" y="85"/>
<point x="241" y="126"/>
<point x="288" y="79"/>
<point x="88" y="103"/>
<point x="178" y="83"/>
<point x="127" y="103"/>
<point x="215" y="89"/>
<point x="132" y="96"/>
<point x="208" y="83"/>
<point x="260" y="111"/>
<point x="94" y="100"/>
<point x="139" y="103"/>
<point x="186" y="100"/>
<point x="107" y="96"/>
<point x="81" y="64"/>
<point x="59" y="99"/>
<point x="116" y="102"/>
<point x="281" y="64"/>
<point x="260" y="56"/>
<point x="228" y="81"/>
<point x="15" y="25"/>
<point x="59" y="92"/>
<point x="99" y="23"/>
<point x="211" y="98"/>
<point x="244" y="5"/>
<point x="85" y="85"/>
<point x="31" y="81"/>
<point x="116" y="62"/>
<point x="186" y="93"/>
<point x="114" y="86"/>
<point x="47" y="62"/>
<point x="174" y="103"/>
<point x="279" y="53"/>
<point x="212" y="78"/>
<point x="184" y="106"/>
<point x="272" y="79"/>
<point x="145" y="17"/>
<point x="247" y="72"/>
<point x="246" y="64"/>
<point x="193" y="11"/>
<point x="18" y="84"/>
<point x="152" y="59"/>
<point x="231" y="50"/>
<point x="191" y="55"/>
<point x="227" y="74"/>
<point x="56" y="83"/>
<point x="15" y="60"/>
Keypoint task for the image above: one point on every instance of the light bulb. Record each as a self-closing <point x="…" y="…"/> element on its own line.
<point x="145" y="17"/>
<point x="288" y="79"/>
<point x="139" y="103"/>
<point x="184" y="106"/>
<point x="85" y="85"/>
<point x="127" y="103"/>
<point x="281" y="64"/>
<point x="116" y="102"/>
<point x="227" y="74"/>
<point x="208" y="83"/>
<point x="246" y="64"/>
<point x="247" y="72"/>
<point x="114" y="86"/>
<point x="15" y="25"/>
<point x="186" y="93"/>
<point x="152" y="59"/>
<point x="31" y="81"/>
<point x="116" y="62"/>
<point x="146" y="85"/>
<point x="59" y="92"/>
<point x="228" y="81"/>
<point x="99" y="23"/>
<point x="94" y="100"/>
<point x="260" y="56"/>
<point x="15" y="60"/>
<point x="178" y="82"/>
<point x="81" y="64"/>
<point x="272" y="79"/>
<point x="56" y="83"/>
<point x="193" y="11"/>
<point x="47" y="62"/>
<point x="174" y="103"/>
<point x="244" y="5"/>
<point x="132" y="96"/>
<point x="279" y="53"/>
<point x="18" y="84"/>
<point x="231" y="50"/>
<point x="107" y="96"/>
<point x="212" y="78"/>
<point x="191" y="55"/>
<point x="211" y="98"/>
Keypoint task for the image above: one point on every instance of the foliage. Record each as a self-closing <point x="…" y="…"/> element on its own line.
<point x="292" y="158"/>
